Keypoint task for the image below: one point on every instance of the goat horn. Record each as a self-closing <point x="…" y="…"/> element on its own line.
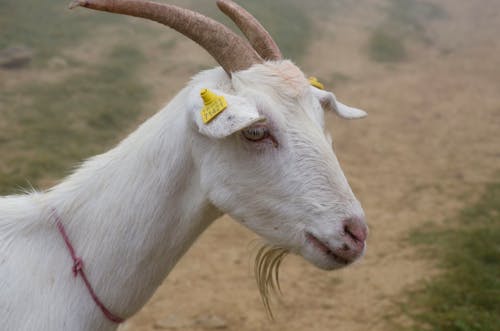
<point x="258" y="36"/>
<point x="231" y="51"/>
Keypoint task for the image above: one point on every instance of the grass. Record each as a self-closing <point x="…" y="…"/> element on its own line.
<point x="46" y="25"/>
<point x="288" y="21"/>
<point x="466" y="295"/>
<point x="68" y="120"/>
<point x="405" y="20"/>
<point x="386" y="47"/>
<point x="49" y="127"/>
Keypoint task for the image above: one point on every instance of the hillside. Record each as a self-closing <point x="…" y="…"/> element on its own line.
<point x="428" y="73"/>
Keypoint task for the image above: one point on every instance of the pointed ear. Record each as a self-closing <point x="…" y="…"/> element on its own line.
<point x="329" y="102"/>
<point x="235" y="116"/>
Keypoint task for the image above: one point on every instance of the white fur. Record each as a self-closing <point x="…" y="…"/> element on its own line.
<point x="131" y="213"/>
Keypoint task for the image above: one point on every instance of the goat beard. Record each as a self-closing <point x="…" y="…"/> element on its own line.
<point x="267" y="264"/>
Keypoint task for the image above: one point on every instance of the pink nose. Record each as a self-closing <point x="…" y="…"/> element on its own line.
<point x="356" y="229"/>
<point x="355" y="232"/>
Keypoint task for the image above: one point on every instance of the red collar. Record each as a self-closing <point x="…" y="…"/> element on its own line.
<point x="78" y="270"/>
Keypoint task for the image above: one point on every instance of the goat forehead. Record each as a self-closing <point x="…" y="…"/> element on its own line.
<point x="291" y="76"/>
<point x="281" y="77"/>
<point x="282" y="93"/>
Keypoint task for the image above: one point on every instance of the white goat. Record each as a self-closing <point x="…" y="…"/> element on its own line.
<point x="131" y="213"/>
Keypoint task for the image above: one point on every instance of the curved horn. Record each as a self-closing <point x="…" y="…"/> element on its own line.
<point x="231" y="51"/>
<point x="258" y="36"/>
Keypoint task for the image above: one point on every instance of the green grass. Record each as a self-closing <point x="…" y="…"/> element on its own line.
<point x="69" y="120"/>
<point x="51" y="126"/>
<point x="288" y="22"/>
<point x="386" y="47"/>
<point x="411" y="15"/>
<point x="405" y="20"/>
<point x="466" y="295"/>
<point x="46" y="25"/>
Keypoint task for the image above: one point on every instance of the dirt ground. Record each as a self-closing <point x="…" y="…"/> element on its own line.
<point x="430" y="144"/>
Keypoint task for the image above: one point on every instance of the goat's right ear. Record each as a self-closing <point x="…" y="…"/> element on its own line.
<point x="329" y="102"/>
<point x="226" y="115"/>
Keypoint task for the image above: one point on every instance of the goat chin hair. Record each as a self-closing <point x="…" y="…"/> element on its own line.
<point x="266" y="269"/>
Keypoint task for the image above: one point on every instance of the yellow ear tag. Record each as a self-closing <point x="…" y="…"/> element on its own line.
<point x="214" y="105"/>
<point x="316" y="83"/>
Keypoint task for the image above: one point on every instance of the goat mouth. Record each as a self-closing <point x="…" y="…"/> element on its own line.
<point x="319" y="245"/>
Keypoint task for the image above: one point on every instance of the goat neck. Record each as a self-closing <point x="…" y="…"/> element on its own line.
<point x="133" y="212"/>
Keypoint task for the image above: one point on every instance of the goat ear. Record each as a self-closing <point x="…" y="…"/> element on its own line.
<point x="237" y="115"/>
<point x="329" y="102"/>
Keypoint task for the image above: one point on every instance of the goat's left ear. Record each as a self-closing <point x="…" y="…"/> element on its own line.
<point x="329" y="102"/>
<point x="220" y="122"/>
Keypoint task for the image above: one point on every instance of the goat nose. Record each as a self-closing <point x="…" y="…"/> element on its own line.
<point x="356" y="229"/>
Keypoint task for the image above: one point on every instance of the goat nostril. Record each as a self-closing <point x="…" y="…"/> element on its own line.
<point x="346" y="229"/>
<point x="356" y="229"/>
<point x="350" y="234"/>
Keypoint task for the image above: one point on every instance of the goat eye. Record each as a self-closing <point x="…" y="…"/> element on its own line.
<point x="256" y="133"/>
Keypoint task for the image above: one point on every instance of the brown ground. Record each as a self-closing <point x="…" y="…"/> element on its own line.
<point x="430" y="143"/>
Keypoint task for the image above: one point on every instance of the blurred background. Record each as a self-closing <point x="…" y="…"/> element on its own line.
<point x="425" y="163"/>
